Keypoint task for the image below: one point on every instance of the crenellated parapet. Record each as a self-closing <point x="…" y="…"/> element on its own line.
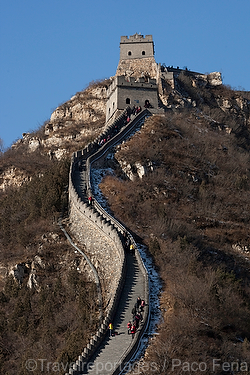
<point x="136" y="38"/>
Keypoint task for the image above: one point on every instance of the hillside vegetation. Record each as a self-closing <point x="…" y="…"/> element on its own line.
<point x="192" y="211"/>
<point x="54" y="318"/>
<point x="49" y="311"/>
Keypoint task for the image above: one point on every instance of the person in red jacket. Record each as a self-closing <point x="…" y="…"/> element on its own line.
<point x="133" y="330"/>
<point x="142" y="304"/>
<point x="129" y="325"/>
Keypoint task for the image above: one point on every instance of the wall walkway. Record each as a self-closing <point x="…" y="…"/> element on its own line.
<point x="123" y="276"/>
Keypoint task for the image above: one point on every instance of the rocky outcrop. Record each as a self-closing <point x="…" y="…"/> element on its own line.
<point x="134" y="170"/>
<point x="146" y="67"/>
<point x="33" y="281"/>
<point x="26" y="272"/>
<point x="69" y="125"/>
<point x="212" y="79"/>
<point x="84" y="107"/>
<point x="31" y="271"/>
<point x="244" y="249"/>
<point x="88" y="105"/>
<point x="236" y="104"/>
<point x="13" y="177"/>
<point x="30" y="140"/>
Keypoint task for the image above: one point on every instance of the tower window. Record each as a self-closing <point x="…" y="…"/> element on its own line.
<point x="129" y="53"/>
<point x="143" y="53"/>
<point x="127" y="101"/>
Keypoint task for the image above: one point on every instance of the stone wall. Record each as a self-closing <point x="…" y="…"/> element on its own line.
<point x="101" y="233"/>
<point x="105" y="253"/>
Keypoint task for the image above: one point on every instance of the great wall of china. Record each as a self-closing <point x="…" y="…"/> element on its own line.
<point x="95" y="222"/>
<point x="138" y="82"/>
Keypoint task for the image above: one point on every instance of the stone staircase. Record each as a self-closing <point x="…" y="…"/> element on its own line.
<point x="104" y="354"/>
<point x="112" y="355"/>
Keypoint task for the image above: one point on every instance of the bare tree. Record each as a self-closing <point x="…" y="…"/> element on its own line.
<point x="1" y="146"/>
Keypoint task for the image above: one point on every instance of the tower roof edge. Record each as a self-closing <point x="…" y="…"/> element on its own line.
<point x="136" y="38"/>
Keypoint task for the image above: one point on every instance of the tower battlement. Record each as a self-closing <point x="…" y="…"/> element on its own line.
<point x="132" y="83"/>
<point x="136" y="38"/>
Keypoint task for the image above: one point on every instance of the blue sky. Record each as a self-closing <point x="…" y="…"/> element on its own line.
<point x="51" y="49"/>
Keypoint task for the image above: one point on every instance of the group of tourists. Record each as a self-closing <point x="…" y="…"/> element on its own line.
<point x="134" y="323"/>
<point x="104" y="140"/>
<point x="135" y="110"/>
<point x="131" y="111"/>
<point x="127" y="118"/>
<point x="137" y="316"/>
<point x="115" y="129"/>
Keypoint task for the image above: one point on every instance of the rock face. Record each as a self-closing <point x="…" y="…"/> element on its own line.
<point x="134" y="170"/>
<point x="214" y="79"/>
<point x="211" y="79"/>
<point x="70" y="122"/>
<point x="234" y="105"/>
<point x="244" y="249"/>
<point x="33" y="281"/>
<point x="31" y="271"/>
<point x="84" y="106"/>
<point x="73" y="123"/>
<point x="13" y="177"/>
<point x="146" y="67"/>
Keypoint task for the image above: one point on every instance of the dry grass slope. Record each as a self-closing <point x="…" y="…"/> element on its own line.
<point x="189" y="211"/>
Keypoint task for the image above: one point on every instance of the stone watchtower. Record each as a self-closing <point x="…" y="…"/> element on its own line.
<point x="137" y="57"/>
<point x="136" y="47"/>
<point x="136" y="76"/>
